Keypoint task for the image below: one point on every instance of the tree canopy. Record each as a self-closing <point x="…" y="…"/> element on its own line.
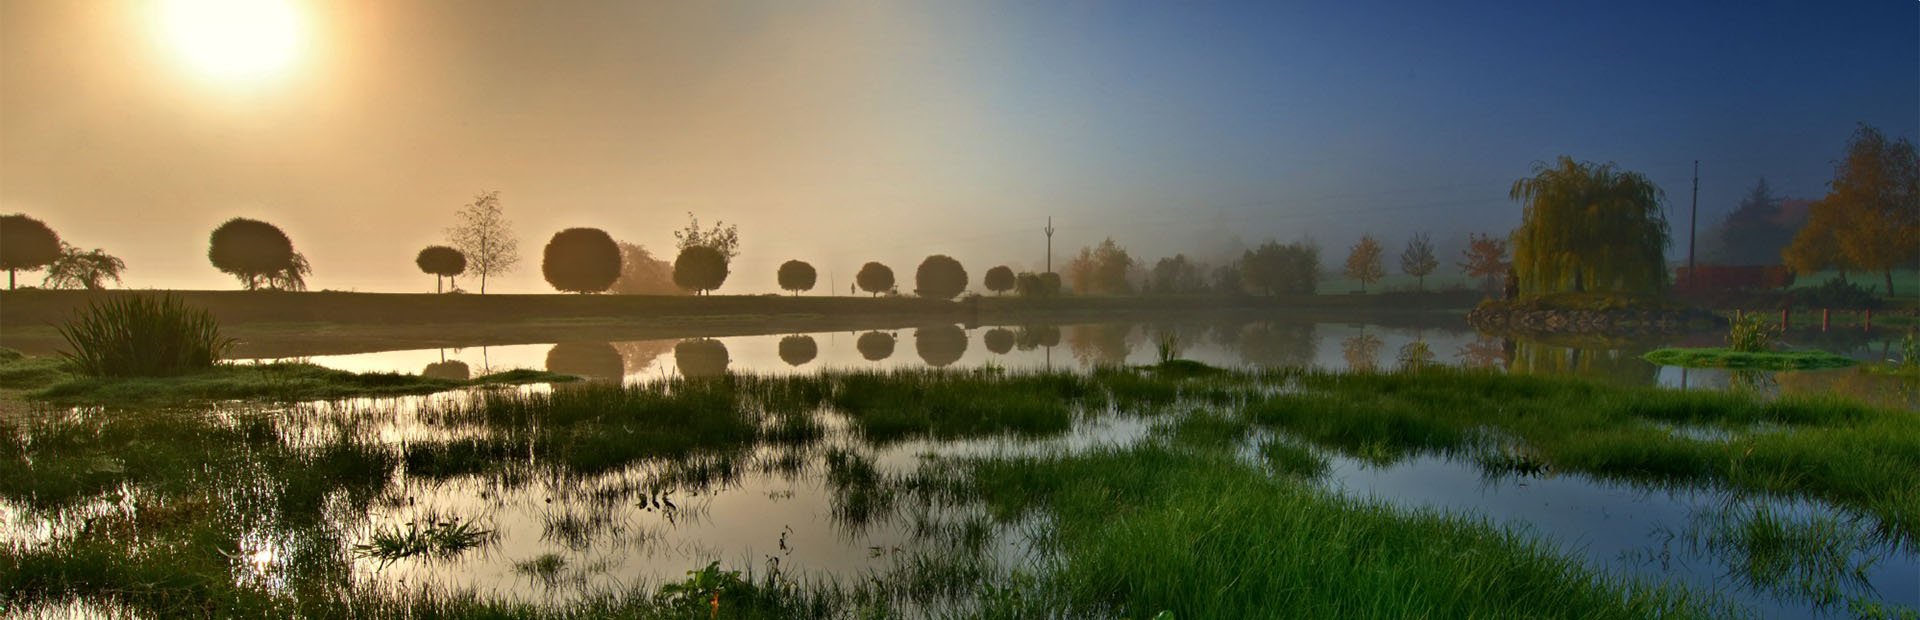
<point x="581" y="260"/>
<point x="1175" y="275"/>
<point x="1363" y="262"/>
<point x="999" y="279"/>
<point x="721" y="237"/>
<point x="643" y="274"/>
<point x="939" y="277"/>
<point x="1101" y="270"/>
<point x="700" y="269"/>
<point x="442" y="262"/>
<point x="1754" y="233"/>
<point x="1417" y="260"/>
<point x="796" y="276"/>
<point x="874" y="278"/>
<point x="486" y="237"/>
<point x="1870" y="218"/>
<point x="1276" y="269"/>
<point x="83" y="269"/>
<point x="1037" y="284"/>
<point x="1589" y="227"/>
<point x="1485" y="257"/>
<point x="26" y="244"/>
<point x="257" y="253"/>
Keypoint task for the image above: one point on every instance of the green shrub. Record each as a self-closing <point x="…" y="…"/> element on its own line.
<point x="137" y="336"/>
<point x="1837" y="293"/>
<point x="1752" y="334"/>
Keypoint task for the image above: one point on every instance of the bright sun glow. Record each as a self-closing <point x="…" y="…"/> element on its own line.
<point x="237" y="41"/>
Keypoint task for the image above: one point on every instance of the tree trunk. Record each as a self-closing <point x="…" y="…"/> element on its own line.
<point x="436" y="288"/>
<point x="10" y="279"/>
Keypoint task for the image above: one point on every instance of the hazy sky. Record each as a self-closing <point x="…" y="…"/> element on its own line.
<point x="844" y="132"/>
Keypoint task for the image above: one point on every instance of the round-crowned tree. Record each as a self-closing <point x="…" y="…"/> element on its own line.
<point x="875" y="346"/>
<point x="999" y="340"/>
<point x="26" y="244"/>
<point x="581" y="260"/>
<point x="798" y="349"/>
<point x="797" y="276"/>
<point x="874" y="278"/>
<point x="999" y="279"/>
<point x="940" y="345"/>
<point x="442" y="262"/>
<point x="939" y="277"/>
<point x="700" y="269"/>
<point x="251" y="250"/>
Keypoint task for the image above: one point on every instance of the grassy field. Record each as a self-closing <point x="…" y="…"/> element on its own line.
<point x="1215" y="513"/>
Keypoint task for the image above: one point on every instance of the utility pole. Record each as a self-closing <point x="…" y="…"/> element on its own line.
<point x="1049" y="230"/>
<point x="1693" y="221"/>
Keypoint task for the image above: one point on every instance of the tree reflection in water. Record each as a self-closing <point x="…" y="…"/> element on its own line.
<point x="940" y="345"/>
<point x="701" y="357"/>
<point x="597" y="361"/>
<point x="875" y="346"/>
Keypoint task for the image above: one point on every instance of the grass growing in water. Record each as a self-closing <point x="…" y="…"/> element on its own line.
<point x="1762" y="360"/>
<point x="439" y="538"/>
<point x="138" y="336"/>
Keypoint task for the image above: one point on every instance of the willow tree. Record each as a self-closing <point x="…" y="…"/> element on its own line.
<point x="1589" y="227"/>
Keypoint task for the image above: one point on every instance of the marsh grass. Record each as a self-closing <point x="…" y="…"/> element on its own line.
<point x="1734" y="358"/>
<point x="141" y="336"/>
<point x="279" y="381"/>
<point x="436" y="539"/>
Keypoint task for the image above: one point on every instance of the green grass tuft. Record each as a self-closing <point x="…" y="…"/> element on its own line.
<point x="1762" y="360"/>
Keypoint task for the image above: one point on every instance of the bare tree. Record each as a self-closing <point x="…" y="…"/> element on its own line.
<point x="486" y="237"/>
<point x="1417" y="260"/>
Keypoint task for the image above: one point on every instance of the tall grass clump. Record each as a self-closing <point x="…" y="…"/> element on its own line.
<point x="1752" y="334"/>
<point x="137" y="336"/>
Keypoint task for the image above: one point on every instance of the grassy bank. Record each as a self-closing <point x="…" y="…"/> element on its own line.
<point x="52" y="380"/>
<point x="1216" y="512"/>
<point x="1718" y="357"/>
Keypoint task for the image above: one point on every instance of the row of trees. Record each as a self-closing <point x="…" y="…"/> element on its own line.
<point x="27" y="244"/>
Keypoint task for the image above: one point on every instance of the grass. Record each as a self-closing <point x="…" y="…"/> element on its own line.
<point x="282" y="381"/>
<point x="1215" y="514"/>
<point x="1717" y="357"/>
<point x="142" y="337"/>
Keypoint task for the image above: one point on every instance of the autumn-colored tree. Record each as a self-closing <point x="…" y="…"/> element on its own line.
<point x="26" y="244"/>
<point x="1485" y="258"/>
<point x="1587" y="227"/>
<point x="1417" y="260"/>
<point x="999" y="279"/>
<point x="1101" y="270"/>
<point x="486" y="237"/>
<point x="939" y="277"/>
<point x="874" y="278"/>
<point x="796" y="276"/>
<point x="441" y="261"/>
<point x="581" y="260"/>
<point x="1363" y="262"/>
<point x="1817" y="246"/>
<point x="1873" y="208"/>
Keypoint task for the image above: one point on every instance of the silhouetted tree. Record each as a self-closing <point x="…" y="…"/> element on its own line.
<point x="1417" y="260"/>
<point x="1176" y="275"/>
<point x="257" y="253"/>
<point x="442" y="262"/>
<point x="26" y="244"/>
<point x="1276" y="269"/>
<point x="642" y="274"/>
<point x="88" y="270"/>
<point x="999" y="280"/>
<point x="940" y="345"/>
<point x="796" y="276"/>
<point x="701" y="357"/>
<point x="874" y="278"/>
<point x="1872" y="212"/>
<point x="1229" y="280"/>
<point x="581" y="260"/>
<point x="875" y="346"/>
<point x="999" y="340"/>
<point x="798" y="349"/>
<point x="1589" y="227"/>
<point x="1363" y="262"/>
<point x="721" y="237"/>
<point x="1037" y="284"/>
<point x="486" y="238"/>
<point x="1754" y="233"/>
<point x="593" y="360"/>
<point x="1101" y="270"/>
<point x="700" y="268"/>
<point x="939" y="277"/>
<point x="1485" y="257"/>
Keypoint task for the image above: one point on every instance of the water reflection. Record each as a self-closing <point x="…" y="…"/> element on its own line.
<point x="875" y="346"/>
<point x="1620" y="366"/>
<point x="797" y="350"/>
<point x="701" y="357"/>
<point x="1100" y="343"/>
<point x="597" y="361"/>
<point x="999" y="340"/>
<point x="1031" y="337"/>
<point x="940" y="345"/>
<point x="455" y="370"/>
<point x="1275" y="345"/>
<point x="1362" y="352"/>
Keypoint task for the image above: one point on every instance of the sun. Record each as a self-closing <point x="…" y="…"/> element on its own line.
<point x="234" y="41"/>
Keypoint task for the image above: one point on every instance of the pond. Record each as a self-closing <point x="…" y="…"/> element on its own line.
<point x="300" y="492"/>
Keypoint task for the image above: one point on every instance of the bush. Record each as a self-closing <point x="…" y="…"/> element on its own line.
<point x="143" y="337"/>
<point x="1752" y="334"/>
<point x="1837" y="293"/>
